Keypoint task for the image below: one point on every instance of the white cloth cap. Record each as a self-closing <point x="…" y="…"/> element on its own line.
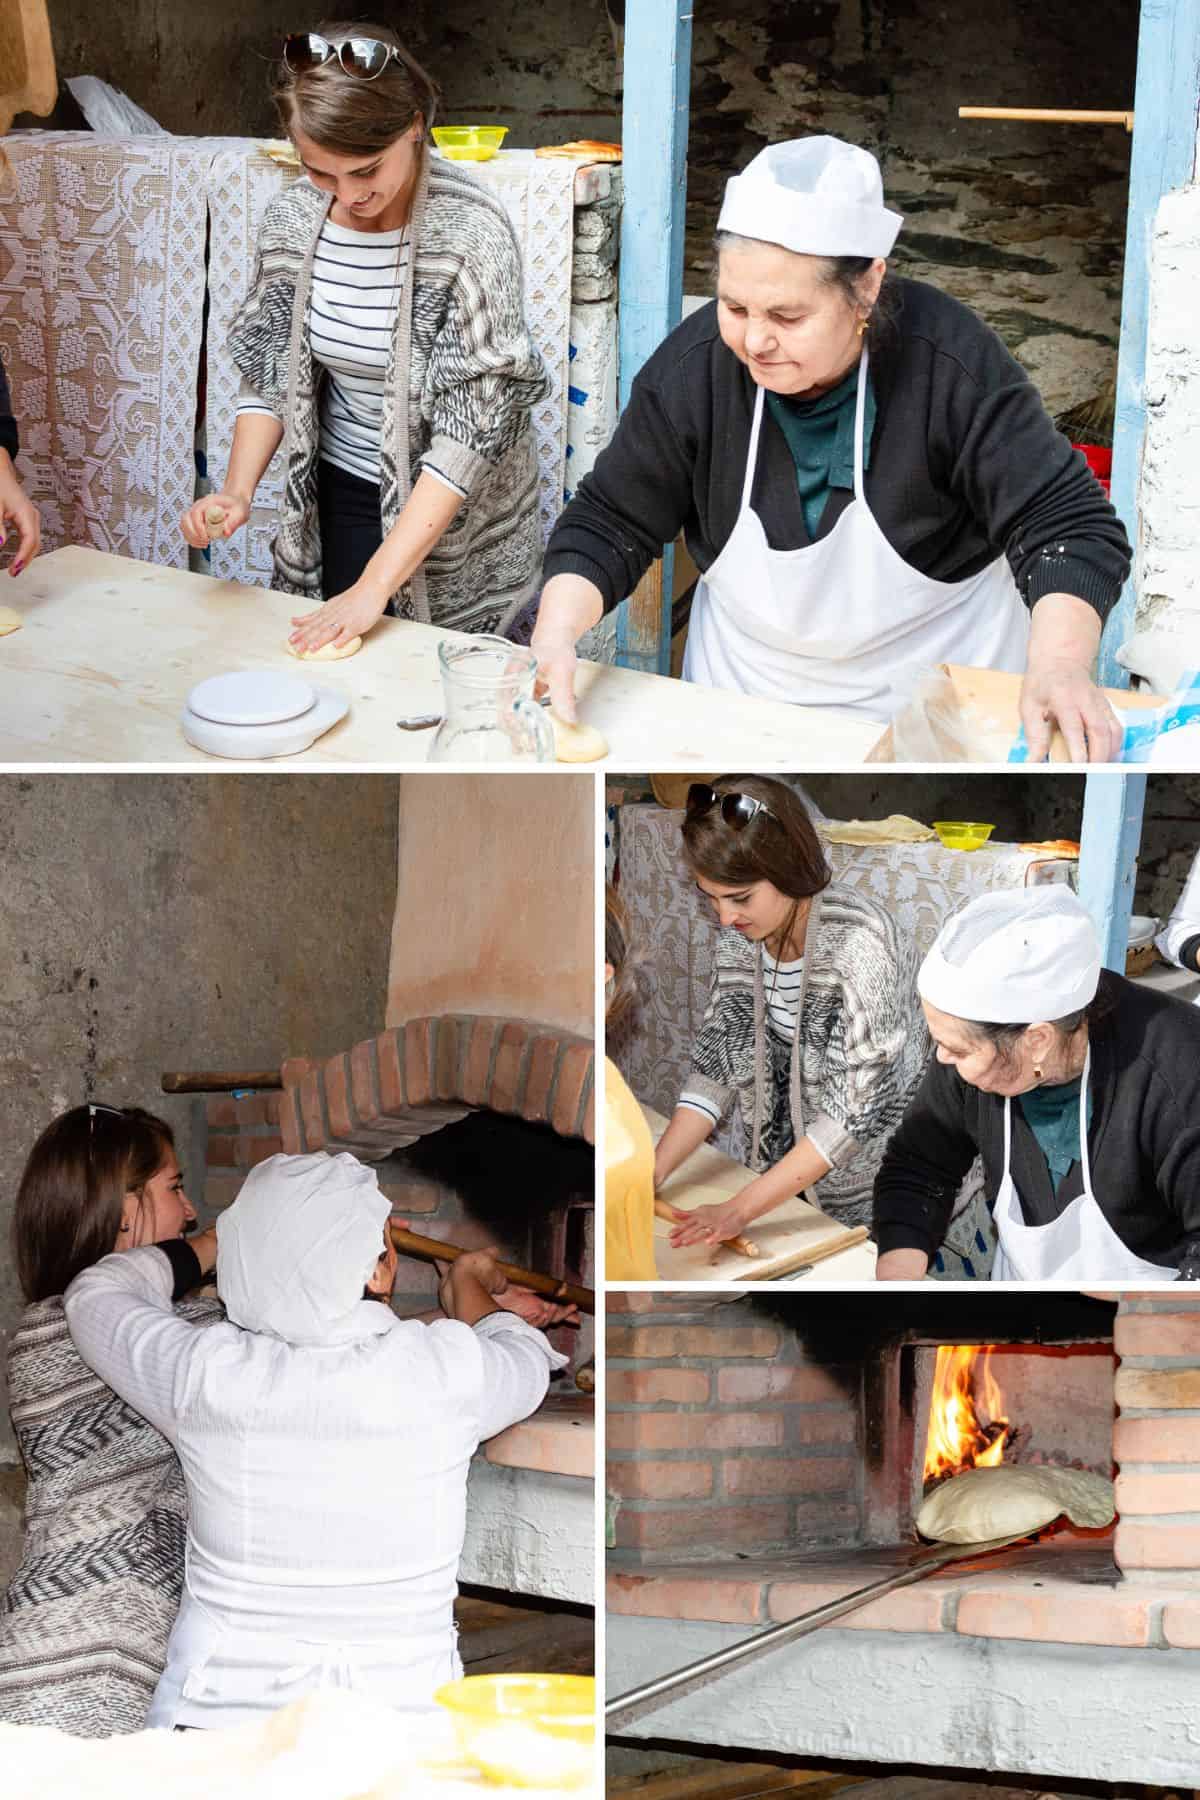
<point x="299" y="1244"/>
<point x="1019" y="957"/>
<point x="817" y="195"/>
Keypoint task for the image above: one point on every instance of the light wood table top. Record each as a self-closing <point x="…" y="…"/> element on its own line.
<point x="110" y="648"/>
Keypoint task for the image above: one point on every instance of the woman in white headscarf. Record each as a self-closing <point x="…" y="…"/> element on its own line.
<point x="1078" y="1089"/>
<point x="1179" y="939"/>
<point x="865" y="478"/>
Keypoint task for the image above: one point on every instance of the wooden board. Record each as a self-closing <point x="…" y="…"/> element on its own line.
<point x="110" y="648"/>
<point x="706" y="1179"/>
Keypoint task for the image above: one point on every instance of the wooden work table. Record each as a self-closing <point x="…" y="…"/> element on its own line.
<point x="110" y="648"/>
<point x="706" y="1179"/>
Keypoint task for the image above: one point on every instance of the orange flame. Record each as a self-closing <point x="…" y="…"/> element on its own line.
<point x="956" y="1438"/>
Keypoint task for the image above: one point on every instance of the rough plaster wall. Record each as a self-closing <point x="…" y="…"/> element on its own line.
<point x="192" y="922"/>
<point x="1025" y="222"/>
<point x="1168" y="582"/>
<point x="530" y="1532"/>
<point x="495" y="907"/>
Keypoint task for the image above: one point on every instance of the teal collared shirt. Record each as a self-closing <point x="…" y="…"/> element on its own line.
<point x="820" y="436"/>
<point x="1053" y="1117"/>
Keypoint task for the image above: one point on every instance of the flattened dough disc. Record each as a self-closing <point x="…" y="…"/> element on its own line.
<point x="577" y="743"/>
<point x="328" y="652"/>
<point x="10" y="620"/>
<point x="1012" y="1501"/>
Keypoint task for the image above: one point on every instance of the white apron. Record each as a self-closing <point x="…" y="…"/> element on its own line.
<point x="1080" y="1245"/>
<point x="838" y="622"/>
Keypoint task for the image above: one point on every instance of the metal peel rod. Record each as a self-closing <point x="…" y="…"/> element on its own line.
<point x="625" y="1708"/>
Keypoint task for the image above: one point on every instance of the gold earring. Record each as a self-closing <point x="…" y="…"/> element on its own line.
<point x="863" y="323"/>
<point x="1037" y="1072"/>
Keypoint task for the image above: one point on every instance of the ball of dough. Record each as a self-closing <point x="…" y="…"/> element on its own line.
<point x="1010" y="1501"/>
<point x="214" y="516"/>
<point x="577" y="743"/>
<point x="10" y="620"/>
<point x="330" y="652"/>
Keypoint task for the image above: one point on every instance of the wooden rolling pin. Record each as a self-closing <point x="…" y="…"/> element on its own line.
<point x="1048" y="115"/>
<point x="789" y="1264"/>
<point x="435" y="1250"/>
<point x="677" y="1215"/>
<point x="218" y="1081"/>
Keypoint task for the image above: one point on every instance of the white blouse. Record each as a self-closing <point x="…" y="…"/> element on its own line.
<point x="326" y="1486"/>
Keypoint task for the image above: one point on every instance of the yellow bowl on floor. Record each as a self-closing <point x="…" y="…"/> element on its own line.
<point x="535" y="1731"/>
<point x="469" y="143"/>
<point x="962" y="834"/>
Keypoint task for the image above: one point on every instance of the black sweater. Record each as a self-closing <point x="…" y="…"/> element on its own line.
<point x="965" y="463"/>
<point x="8" y="425"/>
<point x="1144" y="1141"/>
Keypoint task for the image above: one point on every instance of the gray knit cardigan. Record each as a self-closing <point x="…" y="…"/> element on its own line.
<point x="857" y="1056"/>
<point x="462" y="375"/>
<point x="84" y="1622"/>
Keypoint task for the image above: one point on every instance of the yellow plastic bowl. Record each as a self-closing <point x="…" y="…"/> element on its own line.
<point x="469" y="143"/>
<point x="962" y="834"/>
<point x="525" y="1730"/>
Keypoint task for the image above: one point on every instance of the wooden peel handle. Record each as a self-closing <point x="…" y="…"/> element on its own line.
<point x="218" y="1081"/>
<point x="435" y="1250"/>
<point x="803" y="1258"/>
<point x="677" y="1215"/>
<point x="1049" y="115"/>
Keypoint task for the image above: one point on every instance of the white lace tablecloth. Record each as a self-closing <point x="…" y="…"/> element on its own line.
<point x="103" y="282"/>
<point x="673" y="931"/>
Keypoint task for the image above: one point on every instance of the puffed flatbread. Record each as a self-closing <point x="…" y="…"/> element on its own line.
<point x="1012" y="1500"/>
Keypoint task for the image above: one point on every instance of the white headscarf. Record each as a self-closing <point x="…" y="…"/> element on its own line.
<point x="299" y="1244"/>
<point x="1017" y="957"/>
<point x="817" y="195"/>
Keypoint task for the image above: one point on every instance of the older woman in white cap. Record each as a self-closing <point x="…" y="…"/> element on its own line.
<point x="1079" y="1090"/>
<point x="324" y="1441"/>
<point x="866" y="479"/>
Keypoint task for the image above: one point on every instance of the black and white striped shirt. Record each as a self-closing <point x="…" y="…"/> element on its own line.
<point x="357" y="280"/>
<point x="781" y="982"/>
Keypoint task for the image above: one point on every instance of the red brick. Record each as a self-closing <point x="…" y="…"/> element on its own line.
<point x="478" y="1063"/>
<point x="787" y="1475"/>
<point x="312" y="1109"/>
<point x="446" y="1084"/>
<point x="648" y="1479"/>
<point x="293" y="1069"/>
<point x="1181" y="1623"/>
<point x="693" y="1431"/>
<point x="272" y="1105"/>
<point x="505" y="1095"/>
<point x="1158" y="1493"/>
<point x="221" y="1191"/>
<point x="912" y="1609"/>
<point x="1147" y="1388"/>
<point x="661" y="1341"/>
<point x="1057" y="1612"/>
<point x="337" y="1097"/>
<point x="733" y="1601"/>
<point x="251" y="1109"/>
<point x="389" y="1051"/>
<point x="364" y="1084"/>
<point x="542" y="1064"/>
<point x="418" y="1061"/>
<point x="574" y="1075"/>
<point x="1157" y="1334"/>
<point x="805" y="1386"/>
<point x="646" y="1386"/>
<point x="1141" y="1546"/>
<point x="253" y="1150"/>
<point x="221" y="1109"/>
<point x="1156" y="1440"/>
<point x="716" y="1527"/>
<point x="291" y="1123"/>
<point x="823" y="1427"/>
<point x="222" y="1152"/>
<point x="824" y="1519"/>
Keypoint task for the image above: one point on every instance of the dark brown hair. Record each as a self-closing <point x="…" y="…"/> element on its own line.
<point x="68" y="1209"/>
<point x="784" y="850"/>
<point x="1005" y="1038"/>
<point x="617" y="952"/>
<point x="349" y="116"/>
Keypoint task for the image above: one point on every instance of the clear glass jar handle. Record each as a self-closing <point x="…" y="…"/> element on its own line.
<point x="538" y="718"/>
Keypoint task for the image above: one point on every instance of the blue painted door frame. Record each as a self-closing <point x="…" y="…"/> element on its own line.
<point x="1108" y="851"/>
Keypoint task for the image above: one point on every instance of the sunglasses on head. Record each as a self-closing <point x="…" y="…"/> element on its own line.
<point x="363" y="57"/>
<point x="737" y="810"/>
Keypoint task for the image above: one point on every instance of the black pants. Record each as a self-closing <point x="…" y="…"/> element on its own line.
<point x="351" y="529"/>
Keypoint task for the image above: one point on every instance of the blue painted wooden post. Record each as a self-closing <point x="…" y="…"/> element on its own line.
<point x="1164" y="158"/>
<point x="658" y="66"/>
<point x="1108" y="852"/>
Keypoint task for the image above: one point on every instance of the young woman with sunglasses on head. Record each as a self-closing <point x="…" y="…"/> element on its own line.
<point x="383" y="341"/>
<point x="813" y="1025"/>
<point x="85" y="1620"/>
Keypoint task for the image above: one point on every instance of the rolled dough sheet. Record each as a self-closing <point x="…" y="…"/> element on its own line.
<point x="709" y="1177"/>
<point x="992" y="1503"/>
<point x="10" y="620"/>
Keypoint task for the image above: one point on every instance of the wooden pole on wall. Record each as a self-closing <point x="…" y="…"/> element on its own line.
<point x="1163" y="158"/>
<point x="657" y="75"/>
<point x="1108" y="853"/>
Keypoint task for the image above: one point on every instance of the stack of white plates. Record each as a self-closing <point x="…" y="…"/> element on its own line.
<point x="257" y="712"/>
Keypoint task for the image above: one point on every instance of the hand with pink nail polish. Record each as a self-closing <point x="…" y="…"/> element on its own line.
<point x="18" y="509"/>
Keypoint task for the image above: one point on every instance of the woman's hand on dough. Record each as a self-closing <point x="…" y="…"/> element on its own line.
<point x="18" y="513"/>
<point x="534" y="1309"/>
<point x="1063" y="694"/>
<point x="199" y="528"/>
<point x="346" y="616"/>
<point x="709" y="1224"/>
<point x="556" y="672"/>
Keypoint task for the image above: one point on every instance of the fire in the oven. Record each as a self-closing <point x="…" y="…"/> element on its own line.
<point x="968" y="1427"/>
